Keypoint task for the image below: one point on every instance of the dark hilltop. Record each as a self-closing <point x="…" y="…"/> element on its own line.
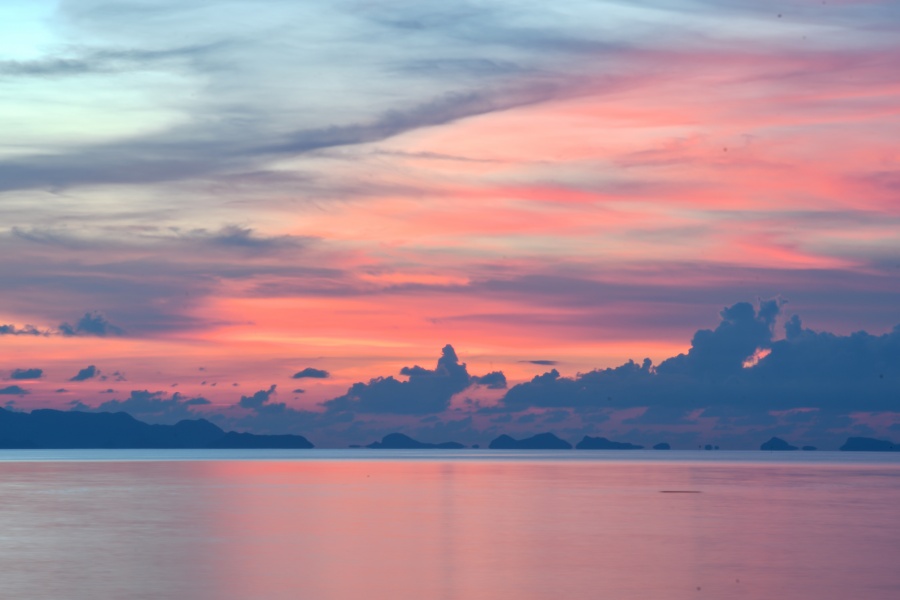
<point x="398" y="441"/>
<point x="541" y="441"/>
<point x="864" y="444"/>
<point x="601" y="443"/>
<point x="55" y="429"/>
<point x="777" y="444"/>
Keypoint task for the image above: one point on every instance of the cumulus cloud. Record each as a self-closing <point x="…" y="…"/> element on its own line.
<point x="495" y="380"/>
<point x="425" y="391"/>
<point x="86" y="373"/>
<point x="26" y="374"/>
<point x="257" y="400"/>
<point x="311" y="373"/>
<point x="92" y="323"/>
<point x="721" y="352"/>
<point x="806" y="380"/>
<point x="152" y="407"/>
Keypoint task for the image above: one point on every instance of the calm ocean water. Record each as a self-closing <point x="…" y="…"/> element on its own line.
<point x="331" y="524"/>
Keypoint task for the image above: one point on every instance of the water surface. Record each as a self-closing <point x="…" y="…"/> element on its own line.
<point x="433" y="524"/>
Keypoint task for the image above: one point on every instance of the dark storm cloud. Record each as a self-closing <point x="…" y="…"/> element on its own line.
<point x="91" y="324"/>
<point x="311" y="373"/>
<point x="86" y="373"/>
<point x="426" y="391"/>
<point x="26" y="374"/>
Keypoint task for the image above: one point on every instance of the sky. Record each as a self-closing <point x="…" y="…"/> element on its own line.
<point x="667" y="220"/>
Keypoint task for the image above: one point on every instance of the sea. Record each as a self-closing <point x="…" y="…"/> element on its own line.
<point x="467" y="524"/>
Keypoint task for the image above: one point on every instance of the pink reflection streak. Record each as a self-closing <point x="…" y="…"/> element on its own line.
<point x="387" y="529"/>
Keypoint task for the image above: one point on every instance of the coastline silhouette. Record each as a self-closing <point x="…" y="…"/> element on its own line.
<point x="399" y="441"/>
<point x="601" y="443"/>
<point x="541" y="441"/>
<point x="56" y="429"/>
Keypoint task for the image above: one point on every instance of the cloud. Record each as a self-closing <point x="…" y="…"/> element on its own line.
<point x="802" y="383"/>
<point x="257" y="400"/>
<point x="548" y="363"/>
<point x="13" y="390"/>
<point x="86" y="373"/>
<point x="312" y="373"/>
<point x="27" y="374"/>
<point x="100" y="61"/>
<point x="445" y="108"/>
<point x="494" y="380"/>
<point x="723" y="351"/>
<point x="426" y="390"/>
<point x="152" y="407"/>
<point x="216" y="148"/>
<point x="26" y="330"/>
<point x="243" y="238"/>
<point x="92" y="323"/>
<point x="157" y="278"/>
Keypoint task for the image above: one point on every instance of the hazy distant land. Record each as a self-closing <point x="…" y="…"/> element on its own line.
<point x="54" y="429"/>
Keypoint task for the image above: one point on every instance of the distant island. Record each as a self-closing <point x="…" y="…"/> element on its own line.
<point x="662" y="446"/>
<point x="56" y="429"/>
<point x="864" y="444"/>
<point x="777" y="444"/>
<point x="541" y="441"/>
<point x="398" y="441"/>
<point x="601" y="443"/>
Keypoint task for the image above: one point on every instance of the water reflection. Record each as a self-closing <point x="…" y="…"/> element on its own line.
<point x="447" y="529"/>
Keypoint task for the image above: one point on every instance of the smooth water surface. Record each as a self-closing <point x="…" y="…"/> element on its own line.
<point x="95" y="525"/>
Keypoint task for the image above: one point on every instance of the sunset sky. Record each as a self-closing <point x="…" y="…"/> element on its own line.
<point x="202" y="199"/>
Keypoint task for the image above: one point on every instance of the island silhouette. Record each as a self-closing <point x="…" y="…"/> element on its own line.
<point x="777" y="444"/>
<point x="55" y="429"/>
<point x="601" y="443"/>
<point x="399" y="441"/>
<point x="864" y="444"/>
<point x="541" y="441"/>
